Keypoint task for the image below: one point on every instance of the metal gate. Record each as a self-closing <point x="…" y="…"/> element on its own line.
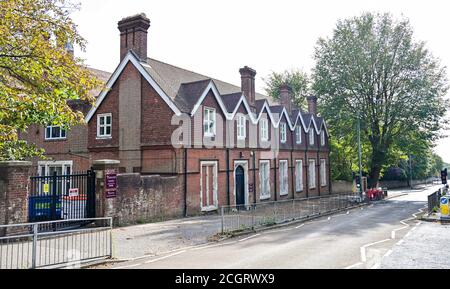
<point x="62" y="197"/>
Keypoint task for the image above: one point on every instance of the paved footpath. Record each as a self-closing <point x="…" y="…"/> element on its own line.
<point x="425" y="247"/>
<point x="360" y="238"/>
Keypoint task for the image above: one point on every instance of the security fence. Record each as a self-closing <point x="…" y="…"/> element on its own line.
<point x="245" y="217"/>
<point x="40" y="245"/>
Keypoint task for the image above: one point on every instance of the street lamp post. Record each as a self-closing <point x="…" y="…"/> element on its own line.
<point x="410" y="172"/>
<point x="360" y="157"/>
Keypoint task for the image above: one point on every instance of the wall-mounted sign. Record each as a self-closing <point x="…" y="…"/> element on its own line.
<point x="250" y="188"/>
<point x="111" y="183"/>
<point x="74" y="192"/>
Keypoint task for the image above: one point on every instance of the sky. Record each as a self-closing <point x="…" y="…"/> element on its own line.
<point x="216" y="38"/>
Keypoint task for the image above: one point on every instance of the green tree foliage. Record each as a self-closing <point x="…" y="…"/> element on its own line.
<point x="373" y="67"/>
<point x="37" y="74"/>
<point x="297" y="80"/>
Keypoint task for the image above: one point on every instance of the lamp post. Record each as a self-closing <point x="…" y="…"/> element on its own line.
<point x="410" y="171"/>
<point x="359" y="157"/>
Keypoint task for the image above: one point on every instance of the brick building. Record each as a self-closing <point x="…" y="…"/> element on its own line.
<point x="226" y="144"/>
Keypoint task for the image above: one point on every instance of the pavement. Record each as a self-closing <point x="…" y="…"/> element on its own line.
<point x="157" y="238"/>
<point x="360" y="238"/>
<point x="425" y="247"/>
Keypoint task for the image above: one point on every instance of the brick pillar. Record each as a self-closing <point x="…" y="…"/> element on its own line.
<point x="104" y="206"/>
<point x="14" y="176"/>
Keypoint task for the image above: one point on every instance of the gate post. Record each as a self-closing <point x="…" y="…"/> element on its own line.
<point x="14" y="179"/>
<point x="104" y="205"/>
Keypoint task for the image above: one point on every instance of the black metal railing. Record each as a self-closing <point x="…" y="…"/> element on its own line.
<point x="62" y="197"/>
<point x="433" y="201"/>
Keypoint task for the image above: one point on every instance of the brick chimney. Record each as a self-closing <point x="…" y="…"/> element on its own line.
<point x="312" y="104"/>
<point x="248" y="85"/>
<point x="286" y="97"/>
<point x="133" y="35"/>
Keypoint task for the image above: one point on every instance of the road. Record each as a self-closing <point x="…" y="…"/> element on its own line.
<point x="355" y="239"/>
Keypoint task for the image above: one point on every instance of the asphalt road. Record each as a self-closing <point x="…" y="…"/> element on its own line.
<point x="355" y="239"/>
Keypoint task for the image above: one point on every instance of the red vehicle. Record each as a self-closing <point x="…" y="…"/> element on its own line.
<point x="375" y="194"/>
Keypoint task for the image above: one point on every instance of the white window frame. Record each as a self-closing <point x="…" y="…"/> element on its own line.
<point x="61" y="130"/>
<point x="284" y="179"/>
<point x="215" y="203"/>
<point x="323" y="172"/>
<point x="264" y="129"/>
<point x="209" y="116"/>
<point x="298" y="134"/>
<point x="299" y="176"/>
<point x="241" y="127"/>
<point x="322" y="138"/>
<point x="65" y="185"/>
<point x="283" y="132"/>
<point x="311" y="137"/>
<point x="312" y="173"/>
<point x="104" y="125"/>
<point x="264" y="195"/>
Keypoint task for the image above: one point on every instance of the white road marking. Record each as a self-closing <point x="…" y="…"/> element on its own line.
<point x="363" y="249"/>
<point x="165" y="257"/>
<point x="212" y="246"/>
<point x="128" y="266"/>
<point x="388" y="253"/>
<point x="329" y="218"/>
<point x="298" y="227"/>
<point x="354" y="265"/>
<point x="400" y="242"/>
<point x="248" y="238"/>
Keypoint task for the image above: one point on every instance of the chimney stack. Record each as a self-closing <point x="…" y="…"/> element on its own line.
<point x="286" y="97"/>
<point x="133" y="36"/>
<point x="248" y="85"/>
<point x="312" y="104"/>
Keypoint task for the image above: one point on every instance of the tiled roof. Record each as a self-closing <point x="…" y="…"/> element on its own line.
<point x="189" y="93"/>
<point x="231" y="100"/>
<point x="171" y="77"/>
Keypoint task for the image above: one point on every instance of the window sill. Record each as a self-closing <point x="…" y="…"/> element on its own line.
<point x="264" y="198"/>
<point x="103" y="137"/>
<point x="299" y="191"/>
<point x="284" y="194"/>
<point x="55" y="139"/>
<point x="209" y="209"/>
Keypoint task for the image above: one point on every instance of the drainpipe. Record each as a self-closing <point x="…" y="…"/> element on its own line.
<point x="330" y="188"/>
<point x="254" y="177"/>
<point x="318" y="169"/>
<point x="292" y="172"/>
<point x="185" y="181"/>
<point x="228" y="176"/>
<point x="306" y="167"/>
<point x="275" y="179"/>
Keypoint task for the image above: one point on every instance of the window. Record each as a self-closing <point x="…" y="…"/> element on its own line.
<point x="322" y="138"/>
<point x="299" y="175"/>
<point x="209" y="122"/>
<point x="264" y="179"/>
<point x="48" y="168"/>
<point x="298" y="134"/>
<point x="55" y="132"/>
<point x="323" y="172"/>
<point x="264" y="129"/>
<point x="284" y="185"/>
<point x="283" y="132"/>
<point x="208" y="186"/>
<point x="312" y="174"/>
<point x="104" y="125"/>
<point x="241" y="127"/>
<point x="311" y="136"/>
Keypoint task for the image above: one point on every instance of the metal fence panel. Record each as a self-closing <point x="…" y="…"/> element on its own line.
<point x="239" y="218"/>
<point x="33" y="245"/>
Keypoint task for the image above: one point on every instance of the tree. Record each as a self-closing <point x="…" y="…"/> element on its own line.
<point x="373" y="68"/>
<point x="297" y="80"/>
<point x="38" y="76"/>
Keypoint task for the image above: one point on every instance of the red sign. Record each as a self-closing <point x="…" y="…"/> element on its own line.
<point x="111" y="183"/>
